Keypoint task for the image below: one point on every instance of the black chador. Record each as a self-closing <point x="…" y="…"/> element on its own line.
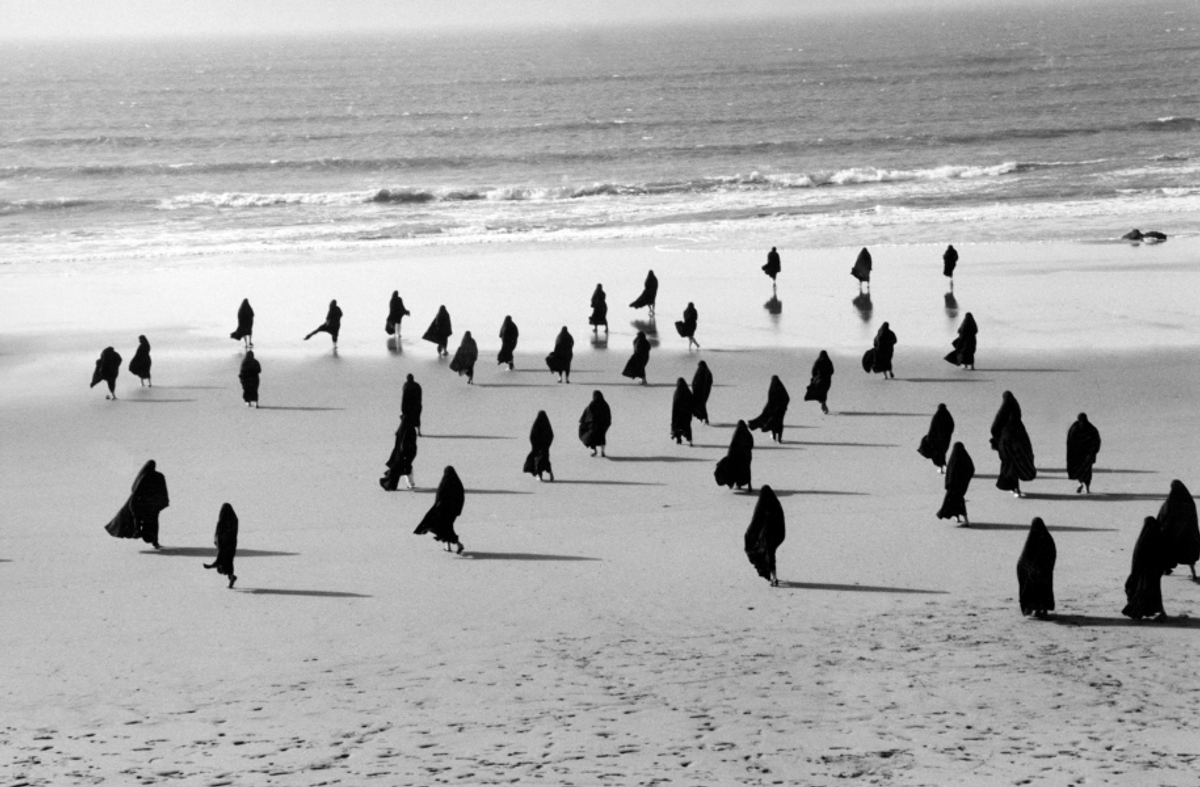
<point x="1083" y="444"/>
<point x="540" y="437"/>
<point x="773" y="267"/>
<point x="765" y="534"/>
<point x="862" y="268"/>
<point x="936" y="441"/>
<point x="464" y="358"/>
<point x="1016" y="457"/>
<point x="820" y="381"/>
<point x="108" y="366"/>
<point x="332" y="324"/>
<point x="681" y="412"/>
<point x="508" y="341"/>
<point x="702" y="383"/>
<point x="959" y="472"/>
<point x="594" y="423"/>
<point x="400" y="463"/>
<point x="649" y="294"/>
<point x="1143" y="588"/>
<point x="1181" y="537"/>
<point x="248" y="375"/>
<point x="440" y="330"/>
<point x="599" y="310"/>
<point x="733" y="470"/>
<point x="1008" y="406"/>
<point x="225" y="539"/>
<point x="139" y="366"/>
<point x="396" y="314"/>
<point x="138" y="517"/>
<point x="410" y="402"/>
<point x="949" y="263"/>
<point x="884" y="348"/>
<point x="447" y="505"/>
<point x="635" y="368"/>
<point x="687" y="326"/>
<point x="1035" y="571"/>
<point x="963" y="353"/>
<point x="245" y="326"/>
<point x="559" y="361"/>
<point x="771" y="418"/>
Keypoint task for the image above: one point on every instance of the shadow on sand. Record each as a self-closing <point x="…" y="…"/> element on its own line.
<point x="883" y="414"/>
<point x="848" y="445"/>
<point x="657" y="459"/>
<point x="212" y="551"/>
<point x="158" y="401"/>
<point x="473" y="555"/>
<point x="856" y="588"/>
<point x="429" y="490"/>
<point x="1116" y="622"/>
<point x="1063" y="471"/>
<point x="1113" y="497"/>
<point x="1032" y="371"/>
<point x="301" y="409"/>
<point x="191" y="388"/>
<point x="1025" y="528"/>
<point x="466" y="437"/>
<point x="952" y="380"/>
<point x="305" y="593"/>
<point x="518" y="385"/>
<point x="604" y="483"/>
<point x="790" y="492"/>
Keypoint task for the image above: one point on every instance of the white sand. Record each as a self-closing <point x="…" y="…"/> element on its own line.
<point x="605" y="628"/>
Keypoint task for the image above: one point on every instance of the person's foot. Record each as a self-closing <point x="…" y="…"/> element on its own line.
<point x="510" y="366"/>
<point x="156" y="545"/>
<point x="209" y="565"/>
<point x="1161" y="617"/>
<point x="1041" y="614"/>
<point x="460" y="548"/>
<point x="593" y="452"/>
<point x="551" y="472"/>
<point x="1079" y="489"/>
<point x="383" y="484"/>
<point x="232" y="579"/>
<point x="410" y="483"/>
<point x="1017" y="493"/>
<point x="604" y="454"/>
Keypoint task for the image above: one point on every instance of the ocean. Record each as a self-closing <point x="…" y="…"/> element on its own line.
<point x="1066" y="123"/>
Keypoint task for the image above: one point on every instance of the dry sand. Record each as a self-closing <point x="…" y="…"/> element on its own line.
<point x="602" y="629"/>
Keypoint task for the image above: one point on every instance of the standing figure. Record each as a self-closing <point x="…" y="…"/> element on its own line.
<point x="464" y="358"/>
<point x="687" y="326"/>
<point x="772" y="268"/>
<point x="540" y="437"/>
<point x="959" y="472"/>
<point x="949" y="263"/>
<point x="1180" y="534"/>
<point x="245" y="326"/>
<point x="765" y="534"/>
<point x="140" y="364"/>
<point x="594" y="423"/>
<point x="508" y="341"/>
<point x="138" y="517"/>
<point x="681" y="413"/>
<point x="108" y="366"/>
<point x="884" y="347"/>
<point x="332" y="324"/>
<point x="862" y="269"/>
<point x="649" y="294"/>
<point x="559" y="360"/>
<point x="447" y="505"/>
<point x="410" y="402"/>
<point x="396" y="313"/>
<point x="963" y="353"/>
<point x="1008" y="406"/>
<point x="439" y="331"/>
<point x="820" y="382"/>
<point x="225" y="539"/>
<point x="1143" y="588"/>
<point x="1016" y="456"/>
<point x="248" y="375"/>
<point x="599" y="310"/>
<point x="635" y="368"/>
<point x="1083" y="443"/>
<point x="936" y="441"/>
<point x="771" y="417"/>
<point x="400" y="463"/>
<point x="733" y="469"/>
<point x="1035" y="571"/>
<point x="702" y="384"/>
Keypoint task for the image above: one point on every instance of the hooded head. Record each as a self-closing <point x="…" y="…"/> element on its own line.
<point x="143" y="340"/>
<point x="409" y="378"/>
<point x="249" y="355"/>
<point x="702" y="365"/>
<point x="824" y="356"/>
<point x="1083" y="418"/>
<point x="597" y="396"/>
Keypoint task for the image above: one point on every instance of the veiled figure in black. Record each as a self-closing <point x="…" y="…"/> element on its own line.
<point x="447" y="505"/>
<point x="1083" y="444"/>
<point x="1180" y="534"/>
<point x="245" y="326"/>
<point x="440" y="331"/>
<point x="949" y="263"/>
<point x="332" y="324"/>
<point x="225" y="539"/>
<point x="139" y="365"/>
<point x="963" y="353"/>
<point x="248" y="375"/>
<point x="410" y="402"/>
<point x="820" y="381"/>
<point x="1143" y="588"/>
<point x="1008" y="406"/>
<point x="400" y="463"/>
<point x="396" y="315"/>
<point x="594" y="423"/>
<point x="108" y="366"/>
<point x="649" y="294"/>
<point x="599" y="310"/>
<point x="465" y="357"/>
<point x="773" y="266"/>
<point x="702" y="384"/>
<point x="537" y="463"/>
<point x="681" y="413"/>
<point x="1035" y="571"/>
<point x="885" y="348"/>
<point x="862" y="269"/>
<point x="1016" y="456"/>
<point x="508" y="341"/>
<point x="635" y="368"/>
<point x="138" y="517"/>
<point x="687" y="326"/>
<point x="959" y="472"/>
<point x="772" y="415"/>
<point x="936" y="441"/>
<point x="559" y="360"/>
<point x="765" y="533"/>
<point x="733" y="469"/>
